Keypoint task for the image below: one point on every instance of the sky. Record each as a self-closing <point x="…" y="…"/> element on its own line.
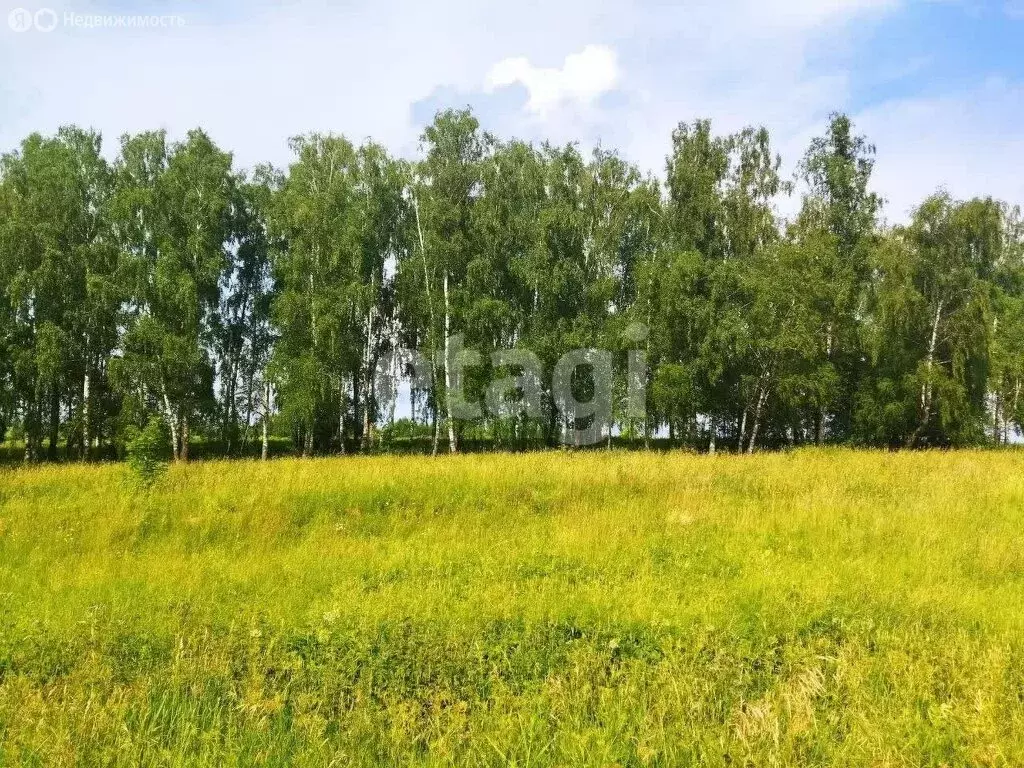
<point x="936" y="85"/>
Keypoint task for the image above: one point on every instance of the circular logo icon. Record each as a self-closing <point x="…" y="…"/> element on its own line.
<point x="19" y="20"/>
<point x="45" y="19"/>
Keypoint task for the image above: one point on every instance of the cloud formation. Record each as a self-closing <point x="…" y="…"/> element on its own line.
<point x="581" y="79"/>
<point x="619" y="72"/>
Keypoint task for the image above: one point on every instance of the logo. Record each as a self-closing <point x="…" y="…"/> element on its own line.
<point x="20" y="20"/>
<point x="45" y="20"/>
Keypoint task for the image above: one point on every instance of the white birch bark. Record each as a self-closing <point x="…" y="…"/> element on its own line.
<point x="85" y="414"/>
<point x="453" y="446"/>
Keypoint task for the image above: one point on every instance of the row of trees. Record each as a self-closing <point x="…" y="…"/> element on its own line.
<point x="235" y="306"/>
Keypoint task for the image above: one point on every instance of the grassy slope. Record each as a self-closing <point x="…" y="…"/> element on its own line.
<point x="811" y="608"/>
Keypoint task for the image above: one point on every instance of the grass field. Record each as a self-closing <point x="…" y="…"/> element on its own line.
<point x="832" y="608"/>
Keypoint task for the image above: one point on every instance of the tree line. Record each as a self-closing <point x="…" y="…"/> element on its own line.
<point x="244" y="307"/>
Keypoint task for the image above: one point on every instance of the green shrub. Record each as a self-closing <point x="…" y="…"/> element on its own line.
<point x="147" y="451"/>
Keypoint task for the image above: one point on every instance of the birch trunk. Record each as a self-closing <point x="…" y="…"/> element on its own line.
<point x="394" y="392"/>
<point x="184" y="438"/>
<point x="822" y="416"/>
<point x="453" y="444"/>
<point x="762" y="397"/>
<point x="85" y="414"/>
<point x="85" y="405"/>
<point x="433" y="325"/>
<point x="265" y="448"/>
<point x="368" y="387"/>
<point x="996" y="430"/>
<point x="341" y="415"/>
<point x="996" y="396"/>
<point x="29" y="432"/>
<point x="172" y="422"/>
<point x="926" y="387"/>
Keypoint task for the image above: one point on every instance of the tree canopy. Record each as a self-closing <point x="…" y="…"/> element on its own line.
<point x="307" y="306"/>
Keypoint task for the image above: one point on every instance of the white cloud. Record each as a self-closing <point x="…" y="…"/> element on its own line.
<point x="969" y="143"/>
<point x="582" y="78"/>
<point x="254" y="74"/>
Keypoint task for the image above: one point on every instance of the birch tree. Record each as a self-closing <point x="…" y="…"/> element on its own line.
<point x="174" y="206"/>
<point x="448" y="185"/>
<point x="840" y="207"/>
<point x="931" y="327"/>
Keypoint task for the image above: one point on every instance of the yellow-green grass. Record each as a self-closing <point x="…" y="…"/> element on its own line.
<point x="812" y="608"/>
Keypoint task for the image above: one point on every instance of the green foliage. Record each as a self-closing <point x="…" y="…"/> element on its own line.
<point x="336" y="219"/>
<point x="244" y="307"/>
<point x="146" y="452"/>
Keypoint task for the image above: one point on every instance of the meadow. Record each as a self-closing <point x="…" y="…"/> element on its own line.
<point x="595" y="609"/>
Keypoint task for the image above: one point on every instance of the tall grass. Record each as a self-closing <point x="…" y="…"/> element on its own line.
<point x="813" y="608"/>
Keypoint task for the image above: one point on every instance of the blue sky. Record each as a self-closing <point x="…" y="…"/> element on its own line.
<point x="937" y="85"/>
